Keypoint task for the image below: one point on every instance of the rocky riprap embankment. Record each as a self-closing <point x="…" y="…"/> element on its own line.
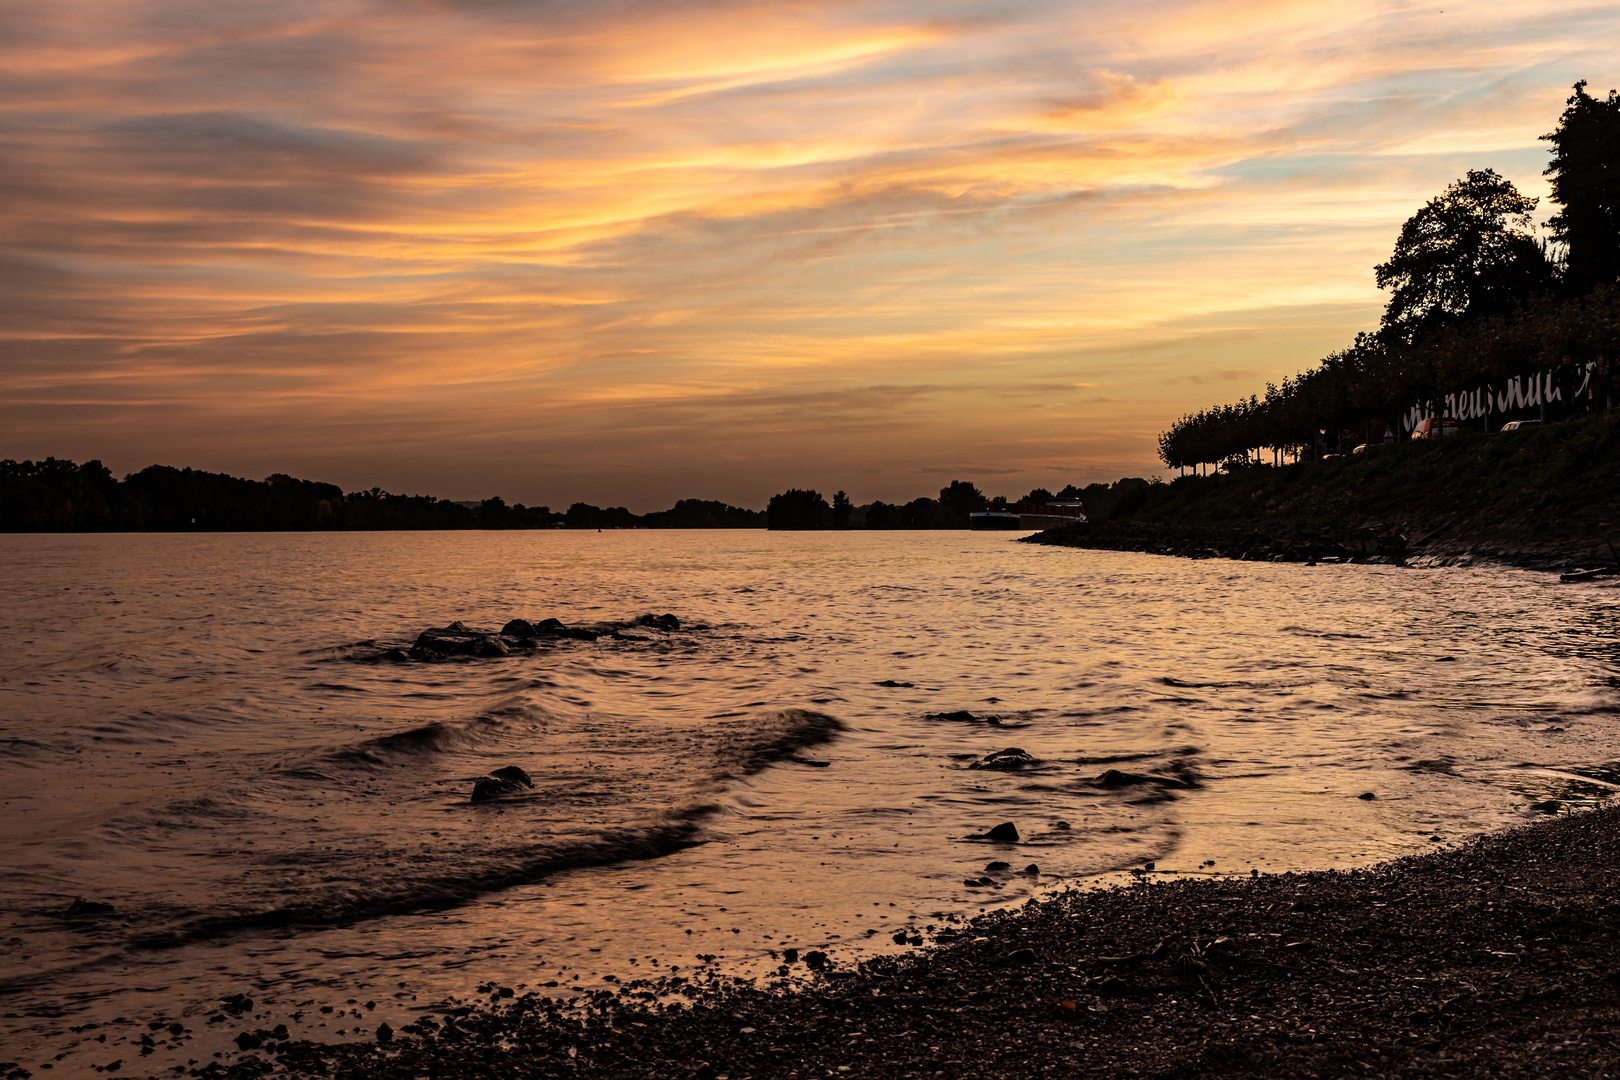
<point x="1213" y="542"/>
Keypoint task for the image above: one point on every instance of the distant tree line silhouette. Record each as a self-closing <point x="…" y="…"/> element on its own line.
<point x="1475" y="298"/>
<point x="55" y="495"/>
<point x="805" y="509"/>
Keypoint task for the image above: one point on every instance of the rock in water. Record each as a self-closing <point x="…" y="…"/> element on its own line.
<point x="518" y="628"/>
<point x="815" y="960"/>
<point x="508" y="780"/>
<point x="660" y="622"/>
<point x="385" y="1034"/>
<point x="1009" y="760"/>
<point x="514" y="774"/>
<point x="1006" y="833"/>
<point x="491" y="646"/>
<point x="84" y="909"/>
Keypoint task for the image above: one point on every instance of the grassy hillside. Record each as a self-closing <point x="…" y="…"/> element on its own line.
<point x="1542" y="496"/>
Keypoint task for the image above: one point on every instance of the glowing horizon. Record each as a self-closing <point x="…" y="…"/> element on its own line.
<point x="477" y="247"/>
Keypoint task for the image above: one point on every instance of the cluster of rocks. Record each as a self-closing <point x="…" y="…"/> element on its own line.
<point x="1245" y="544"/>
<point x="985" y="881"/>
<point x="519" y="635"/>
<point x="1495" y="958"/>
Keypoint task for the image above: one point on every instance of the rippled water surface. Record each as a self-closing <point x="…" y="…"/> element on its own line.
<point x="211" y="735"/>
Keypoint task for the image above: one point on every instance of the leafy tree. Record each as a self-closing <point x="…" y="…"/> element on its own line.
<point x="704" y="514"/>
<point x="1585" y="171"/>
<point x="926" y="513"/>
<point x="1038" y="495"/>
<point x="882" y="515"/>
<point x="959" y="500"/>
<point x="798" y="508"/>
<point x="1467" y="253"/>
<point x="841" y="509"/>
<point x="494" y="514"/>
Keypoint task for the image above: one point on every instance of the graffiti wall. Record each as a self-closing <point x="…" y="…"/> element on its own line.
<point x="1523" y="398"/>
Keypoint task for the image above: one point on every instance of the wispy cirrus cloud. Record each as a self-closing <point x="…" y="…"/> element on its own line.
<point x="714" y="248"/>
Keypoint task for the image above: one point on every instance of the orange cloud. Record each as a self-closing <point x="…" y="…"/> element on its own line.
<point x="724" y="241"/>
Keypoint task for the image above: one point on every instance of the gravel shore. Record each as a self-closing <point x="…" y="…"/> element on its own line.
<point x="1496" y="958"/>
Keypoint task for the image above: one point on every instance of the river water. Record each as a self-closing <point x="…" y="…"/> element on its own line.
<point x="210" y="734"/>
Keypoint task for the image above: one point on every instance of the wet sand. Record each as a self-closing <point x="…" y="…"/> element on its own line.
<point x="1496" y="957"/>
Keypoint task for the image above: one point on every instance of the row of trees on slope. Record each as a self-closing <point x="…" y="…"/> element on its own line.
<point x="1475" y="298"/>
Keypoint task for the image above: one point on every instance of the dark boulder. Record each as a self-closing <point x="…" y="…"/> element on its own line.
<point x="509" y="780"/>
<point x="1179" y="778"/>
<point x="815" y="960"/>
<point x="555" y="628"/>
<point x="1009" y="760"/>
<point x="513" y="774"/>
<point x="659" y="622"/>
<point x="1006" y="833"/>
<point x="518" y="628"/>
<point x="86" y="909"/>
<point x="492" y="646"/>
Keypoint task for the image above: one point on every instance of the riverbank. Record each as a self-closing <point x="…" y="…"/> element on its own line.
<point x="1544" y="498"/>
<point x="1497" y="957"/>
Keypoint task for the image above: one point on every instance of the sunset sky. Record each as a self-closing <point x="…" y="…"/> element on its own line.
<point x="628" y="252"/>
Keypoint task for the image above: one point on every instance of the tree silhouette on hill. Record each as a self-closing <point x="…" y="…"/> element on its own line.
<point x="1585" y="171"/>
<point x="1467" y="253"/>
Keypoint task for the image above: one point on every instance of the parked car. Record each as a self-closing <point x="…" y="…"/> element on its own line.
<point x="1435" y="427"/>
<point x="1520" y="425"/>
